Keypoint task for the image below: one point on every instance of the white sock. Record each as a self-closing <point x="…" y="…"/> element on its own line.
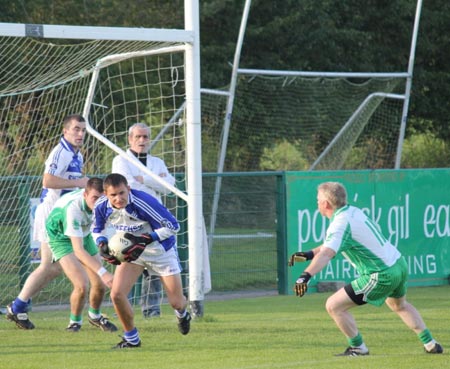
<point x="94" y="316"/>
<point x="429" y="346"/>
<point x="363" y="348"/>
<point x="180" y="314"/>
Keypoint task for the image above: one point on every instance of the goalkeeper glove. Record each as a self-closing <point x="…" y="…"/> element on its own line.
<point x="143" y="239"/>
<point x="131" y="253"/>
<point x="103" y="249"/>
<point x="300" y="257"/>
<point x="301" y="284"/>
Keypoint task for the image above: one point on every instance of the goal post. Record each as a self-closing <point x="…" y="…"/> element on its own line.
<point x="115" y="77"/>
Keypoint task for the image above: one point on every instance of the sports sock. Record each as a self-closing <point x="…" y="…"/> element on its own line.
<point x="180" y="314"/>
<point x="94" y="313"/>
<point x="132" y="336"/>
<point x="427" y="339"/>
<point x="425" y="336"/>
<point x="355" y="341"/>
<point x="78" y="319"/>
<point x="20" y="306"/>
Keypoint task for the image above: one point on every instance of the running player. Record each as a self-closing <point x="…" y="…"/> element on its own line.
<point x="63" y="173"/>
<point x="152" y="229"/>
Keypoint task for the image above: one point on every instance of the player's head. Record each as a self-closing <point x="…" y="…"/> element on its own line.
<point x="331" y="196"/>
<point x="139" y="138"/>
<point x="116" y="190"/>
<point x="74" y="130"/>
<point x="93" y="191"/>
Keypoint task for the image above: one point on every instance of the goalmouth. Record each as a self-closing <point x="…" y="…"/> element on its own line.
<point x="115" y="77"/>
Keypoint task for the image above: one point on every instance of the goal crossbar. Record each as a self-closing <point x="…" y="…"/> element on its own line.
<point x="286" y="73"/>
<point x="98" y="33"/>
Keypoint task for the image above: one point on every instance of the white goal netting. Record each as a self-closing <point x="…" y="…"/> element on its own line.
<point x="43" y="81"/>
<point x="298" y="122"/>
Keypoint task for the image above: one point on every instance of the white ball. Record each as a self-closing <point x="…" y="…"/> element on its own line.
<point x="117" y="243"/>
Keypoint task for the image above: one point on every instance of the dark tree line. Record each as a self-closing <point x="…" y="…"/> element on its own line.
<point x="327" y="35"/>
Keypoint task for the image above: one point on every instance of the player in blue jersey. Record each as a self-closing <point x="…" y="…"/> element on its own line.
<point x="69" y="232"/>
<point x="63" y="173"/>
<point x="139" y="141"/>
<point x="382" y="270"/>
<point x="152" y="229"/>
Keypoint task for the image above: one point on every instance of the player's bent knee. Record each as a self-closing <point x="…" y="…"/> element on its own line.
<point x="178" y="302"/>
<point x="330" y="306"/>
<point x="118" y="296"/>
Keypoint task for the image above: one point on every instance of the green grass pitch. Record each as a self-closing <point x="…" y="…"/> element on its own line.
<point x="246" y="333"/>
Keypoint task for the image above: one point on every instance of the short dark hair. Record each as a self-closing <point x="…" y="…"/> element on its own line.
<point x="114" y="180"/>
<point x="94" y="184"/>
<point x="69" y="118"/>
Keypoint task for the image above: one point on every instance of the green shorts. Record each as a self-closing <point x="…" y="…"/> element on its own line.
<point x="62" y="247"/>
<point x="377" y="287"/>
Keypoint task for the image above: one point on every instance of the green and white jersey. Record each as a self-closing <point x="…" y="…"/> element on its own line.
<point x="70" y="217"/>
<point x="360" y="241"/>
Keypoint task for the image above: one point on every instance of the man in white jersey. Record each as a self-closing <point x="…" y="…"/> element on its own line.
<point x="152" y="230"/>
<point x="139" y="141"/>
<point x="63" y="173"/>
<point x="382" y="270"/>
<point x="69" y="232"/>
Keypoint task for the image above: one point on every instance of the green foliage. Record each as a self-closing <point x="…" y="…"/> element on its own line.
<point x="242" y="333"/>
<point x="307" y="35"/>
<point x="283" y="156"/>
<point x="425" y="150"/>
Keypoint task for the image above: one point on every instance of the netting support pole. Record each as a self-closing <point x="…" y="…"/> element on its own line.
<point x="227" y="121"/>
<point x="412" y="53"/>
<point x="350" y="121"/>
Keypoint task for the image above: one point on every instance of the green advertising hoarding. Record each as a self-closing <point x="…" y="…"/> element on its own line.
<point x="411" y="207"/>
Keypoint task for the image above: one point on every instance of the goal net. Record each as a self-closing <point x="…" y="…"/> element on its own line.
<point x="114" y="84"/>
<point x="313" y="121"/>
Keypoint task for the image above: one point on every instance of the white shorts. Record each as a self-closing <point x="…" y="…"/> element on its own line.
<point x="40" y="217"/>
<point x="162" y="263"/>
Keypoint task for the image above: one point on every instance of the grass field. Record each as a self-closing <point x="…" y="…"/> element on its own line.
<point x="247" y="333"/>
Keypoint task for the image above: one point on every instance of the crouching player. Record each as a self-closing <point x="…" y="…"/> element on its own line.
<point x="151" y="228"/>
<point x="382" y="270"/>
<point x="71" y="243"/>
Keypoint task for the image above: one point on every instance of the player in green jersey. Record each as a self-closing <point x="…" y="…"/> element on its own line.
<point x="382" y="270"/>
<point x="68" y="229"/>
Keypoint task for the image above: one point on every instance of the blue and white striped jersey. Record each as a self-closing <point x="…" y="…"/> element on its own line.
<point x="143" y="214"/>
<point x="62" y="162"/>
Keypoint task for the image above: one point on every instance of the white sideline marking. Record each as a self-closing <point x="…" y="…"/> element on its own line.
<point x="254" y="235"/>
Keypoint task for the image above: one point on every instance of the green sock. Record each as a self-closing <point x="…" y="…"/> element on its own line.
<point x="425" y="336"/>
<point x="94" y="313"/>
<point x="355" y="341"/>
<point x="76" y="318"/>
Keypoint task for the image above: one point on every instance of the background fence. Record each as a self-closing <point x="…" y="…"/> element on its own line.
<point x="262" y="217"/>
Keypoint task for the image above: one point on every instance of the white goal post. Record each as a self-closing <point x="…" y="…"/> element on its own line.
<point x="120" y="54"/>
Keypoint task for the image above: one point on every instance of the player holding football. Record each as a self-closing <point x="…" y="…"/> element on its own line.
<point x="68" y="228"/>
<point x="382" y="270"/>
<point x="63" y="173"/>
<point x="139" y="141"/>
<point x="151" y="229"/>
